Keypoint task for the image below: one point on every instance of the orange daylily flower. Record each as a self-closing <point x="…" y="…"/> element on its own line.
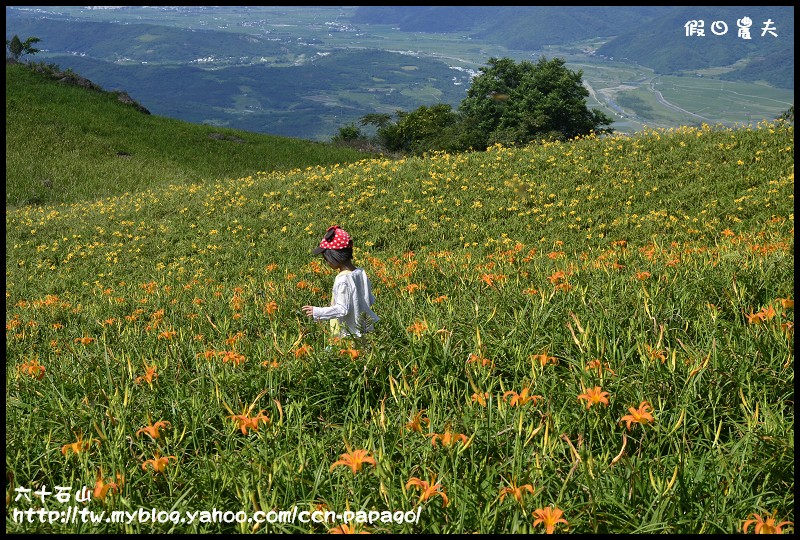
<point x="415" y="424"/>
<point x="428" y="489"/>
<point x="354" y="459"/>
<point x="152" y="429"/>
<point x="411" y="287"/>
<point x="600" y="367"/>
<point x="788" y="328"/>
<point x="640" y="415"/>
<point x="522" y="398"/>
<point x="246" y="422"/>
<point x="418" y="328"/>
<point x="764" y="314"/>
<point x="447" y="438"/>
<point x="655" y="354"/>
<point x="270" y="307"/>
<point x="515" y="491"/>
<point x="303" y="350"/>
<point x="231" y="340"/>
<point x="477" y="358"/>
<point x="158" y="463"/>
<point x="543" y="359"/>
<point x="233" y="357"/>
<point x="352" y="352"/>
<point x="480" y="398"/>
<point x="490" y="279"/>
<point x="549" y="517"/>
<point x="322" y="507"/>
<point x="84" y="340"/>
<point x="765" y="526"/>
<point x="786" y="303"/>
<point x="101" y="488"/>
<point x="593" y="396"/>
<point x="344" y="528"/>
<point x="753" y="318"/>
<point x="208" y="355"/>
<point x="78" y="446"/>
<point x="767" y="313"/>
<point x="167" y="334"/>
<point x="566" y="287"/>
<point x="32" y="368"/>
<point x="150" y="374"/>
<point x="641" y="276"/>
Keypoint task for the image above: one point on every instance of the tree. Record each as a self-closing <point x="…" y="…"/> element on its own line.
<point x="788" y="115"/>
<point x="427" y="128"/>
<point x="18" y="48"/>
<point x="516" y="103"/>
<point x="348" y="133"/>
<point x="422" y="130"/>
<point x="387" y="134"/>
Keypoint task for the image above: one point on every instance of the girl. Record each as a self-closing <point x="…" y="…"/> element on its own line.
<point x="350" y="312"/>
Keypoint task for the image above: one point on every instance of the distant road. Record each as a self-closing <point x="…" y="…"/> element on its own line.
<point x="669" y="105"/>
<point x="608" y="102"/>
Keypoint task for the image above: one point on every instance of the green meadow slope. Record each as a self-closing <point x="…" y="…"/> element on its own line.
<point x="600" y="330"/>
<point x="65" y="144"/>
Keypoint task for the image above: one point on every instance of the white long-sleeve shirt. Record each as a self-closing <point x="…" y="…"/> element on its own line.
<point x="351" y="300"/>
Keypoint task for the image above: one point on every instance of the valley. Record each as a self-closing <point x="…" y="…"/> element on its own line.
<point x="306" y="72"/>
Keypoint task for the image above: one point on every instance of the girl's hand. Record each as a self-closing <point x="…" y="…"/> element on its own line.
<point x="308" y="310"/>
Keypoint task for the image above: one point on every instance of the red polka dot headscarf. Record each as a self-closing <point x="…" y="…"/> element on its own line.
<point x="335" y="238"/>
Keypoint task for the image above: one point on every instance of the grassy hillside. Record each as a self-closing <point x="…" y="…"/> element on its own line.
<point x="66" y="144"/>
<point x="597" y="334"/>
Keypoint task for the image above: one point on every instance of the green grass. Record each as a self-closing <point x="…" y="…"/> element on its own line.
<point x="64" y="144"/>
<point x="659" y="267"/>
<point x="740" y="103"/>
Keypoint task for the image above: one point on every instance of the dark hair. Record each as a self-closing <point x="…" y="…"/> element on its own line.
<point x="338" y="256"/>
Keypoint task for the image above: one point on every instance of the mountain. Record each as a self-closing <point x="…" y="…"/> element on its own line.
<point x="667" y="49"/>
<point x="515" y="27"/>
<point x="651" y="36"/>
<point x="115" y="42"/>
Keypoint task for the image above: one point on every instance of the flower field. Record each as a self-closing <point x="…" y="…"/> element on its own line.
<point x="593" y="337"/>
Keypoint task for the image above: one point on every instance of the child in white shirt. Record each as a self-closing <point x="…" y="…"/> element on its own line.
<point x="350" y="311"/>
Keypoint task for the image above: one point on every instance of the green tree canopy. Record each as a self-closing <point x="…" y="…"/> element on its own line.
<point x="17" y="48"/>
<point x="418" y="131"/>
<point x="516" y="103"/>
